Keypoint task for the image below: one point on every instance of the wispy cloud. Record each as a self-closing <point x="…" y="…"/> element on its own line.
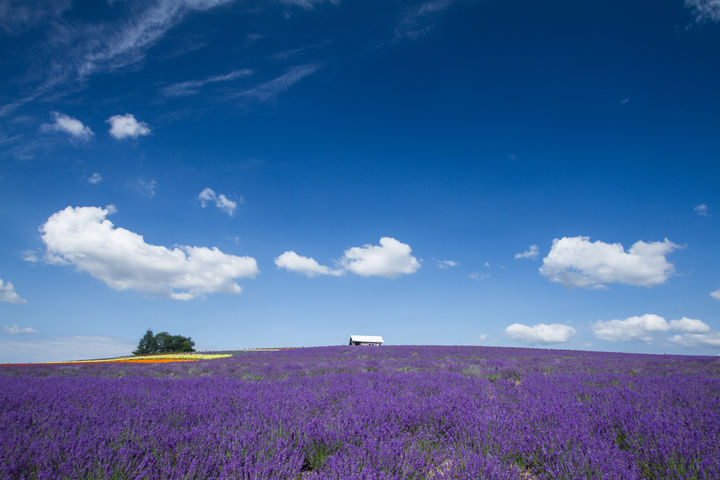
<point x="479" y="275"/>
<point x="419" y="19"/>
<point x="15" y="330"/>
<point x="192" y="87"/>
<point x="16" y="17"/>
<point x="272" y="88"/>
<point x="308" y="4"/>
<point x="65" y="348"/>
<point x="702" y="210"/>
<point x="704" y="10"/>
<point x="144" y="188"/>
<point x="79" y="51"/>
<point x="95" y="178"/>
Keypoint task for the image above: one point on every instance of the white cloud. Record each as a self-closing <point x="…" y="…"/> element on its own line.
<point x="479" y="276"/>
<point x="7" y="293"/>
<point x="308" y="4"/>
<point x="30" y="256"/>
<point x="577" y="262"/>
<point x="119" y="47"/>
<point x="709" y="339"/>
<point x="541" y="333"/>
<point x="531" y="252"/>
<point x="389" y="259"/>
<point x="293" y="262"/>
<point x="75" y="51"/>
<point x="715" y="294"/>
<point x="702" y="210"/>
<point x="59" y="349"/>
<point x="641" y="327"/>
<point x="445" y="264"/>
<point x="15" y="330"/>
<point x="126" y="126"/>
<point x="482" y="337"/>
<point x="69" y="125"/>
<point x="689" y="325"/>
<point x="419" y="20"/>
<point x="644" y="327"/>
<point x="272" y="88"/>
<point x="145" y="188"/>
<point x="192" y="87"/>
<point x="704" y="10"/>
<point x="221" y="201"/>
<point x="85" y="238"/>
<point x="95" y="178"/>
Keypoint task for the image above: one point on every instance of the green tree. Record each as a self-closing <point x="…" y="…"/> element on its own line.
<point x="163" y="342"/>
<point x="147" y="344"/>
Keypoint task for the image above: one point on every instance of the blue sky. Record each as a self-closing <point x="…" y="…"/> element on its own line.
<point x="289" y="173"/>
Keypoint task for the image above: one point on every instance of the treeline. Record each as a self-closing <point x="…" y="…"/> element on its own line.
<point x="163" y="342"/>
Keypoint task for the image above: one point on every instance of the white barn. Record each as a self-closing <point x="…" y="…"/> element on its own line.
<point x="366" y="340"/>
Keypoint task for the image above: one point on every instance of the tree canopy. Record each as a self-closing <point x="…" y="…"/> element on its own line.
<point x="163" y="342"/>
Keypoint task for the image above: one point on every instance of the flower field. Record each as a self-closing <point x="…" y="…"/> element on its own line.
<point x="157" y="358"/>
<point x="366" y="413"/>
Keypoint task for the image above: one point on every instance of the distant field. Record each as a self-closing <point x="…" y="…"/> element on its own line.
<point x="366" y="413"/>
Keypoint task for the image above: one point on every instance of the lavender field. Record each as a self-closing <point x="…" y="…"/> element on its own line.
<point x="367" y="413"/>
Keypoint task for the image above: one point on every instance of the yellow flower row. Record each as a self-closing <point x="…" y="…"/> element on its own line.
<point x="183" y="356"/>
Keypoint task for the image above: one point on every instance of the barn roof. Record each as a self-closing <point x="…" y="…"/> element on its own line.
<point x="366" y="338"/>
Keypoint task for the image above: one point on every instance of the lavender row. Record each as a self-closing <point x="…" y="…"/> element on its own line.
<point x="367" y="413"/>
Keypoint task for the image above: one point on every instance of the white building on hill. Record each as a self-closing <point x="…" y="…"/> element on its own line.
<point x="366" y="340"/>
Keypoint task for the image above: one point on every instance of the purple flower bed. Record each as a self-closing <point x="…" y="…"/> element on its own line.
<point x="367" y="413"/>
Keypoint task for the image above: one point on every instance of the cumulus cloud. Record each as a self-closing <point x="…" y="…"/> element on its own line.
<point x="15" y="330"/>
<point x="62" y="349"/>
<point x="709" y="339"/>
<point x="715" y="294"/>
<point x="389" y="259"/>
<point x="85" y="238"/>
<point x="8" y="294"/>
<point x="126" y="126"/>
<point x="445" y="264"/>
<point x="645" y="327"/>
<point x="307" y="266"/>
<point x="208" y="195"/>
<point x="578" y="262"/>
<point x="95" y="178"/>
<point x="702" y="210"/>
<point x="632" y="328"/>
<point x="541" y="333"/>
<point x="69" y="125"/>
<point x="531" y="252"/>
<point x="704" y="10"/>
<point x="689" y="325"/>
